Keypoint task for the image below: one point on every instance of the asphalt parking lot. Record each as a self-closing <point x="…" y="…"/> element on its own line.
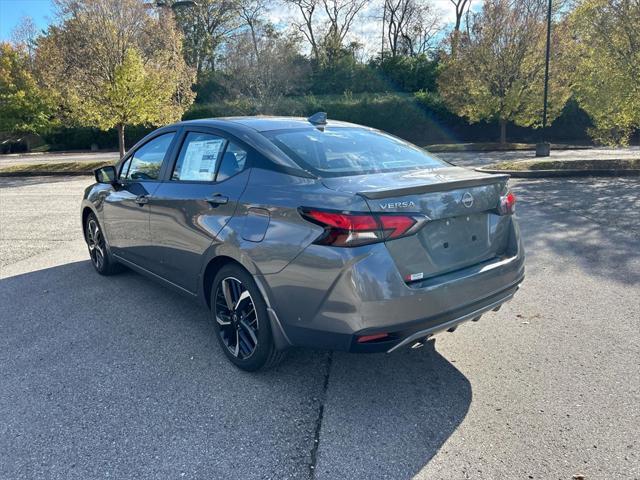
<point x="120" y="378"/>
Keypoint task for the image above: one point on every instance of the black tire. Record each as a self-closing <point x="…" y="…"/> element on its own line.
<point x="241" y="321"/>
<point x="101" y="259"/>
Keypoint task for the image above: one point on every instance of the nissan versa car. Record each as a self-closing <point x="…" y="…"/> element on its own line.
<point x="307" y="232"/>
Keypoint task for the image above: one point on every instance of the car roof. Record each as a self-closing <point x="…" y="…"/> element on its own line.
<point x="263" y="123"/>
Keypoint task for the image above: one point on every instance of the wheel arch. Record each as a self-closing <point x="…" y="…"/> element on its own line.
<point x="214" y="265"/>
<point x="86" y="211"/>
<point x="210" y="271"/>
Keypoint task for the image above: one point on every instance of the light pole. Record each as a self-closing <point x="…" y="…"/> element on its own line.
<point x="543" y="149"/>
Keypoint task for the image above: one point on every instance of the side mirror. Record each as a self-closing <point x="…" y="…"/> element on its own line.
<point x="105" y="174"/>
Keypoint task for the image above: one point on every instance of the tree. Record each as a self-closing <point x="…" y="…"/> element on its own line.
<point x="262" y="66"/>
<point x="460" y="6"/>
<point x="497" y="72"/>
<point x="606" y="49"/>
<point x="114" y="63"/>
<point x="24" y="106"/>
<point x="251" y="12"/>
<point x="206" y="25"/>
<point x="325" y="24"/>
<point x="410" y="26"/>
<point x="308" y="25"/>
<point x="25" y="35"/>
<point x="340" y="14"/>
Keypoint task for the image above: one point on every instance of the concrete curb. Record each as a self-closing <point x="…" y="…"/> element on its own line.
<point x="532" y="148"/>
<point x="630" y="172"/>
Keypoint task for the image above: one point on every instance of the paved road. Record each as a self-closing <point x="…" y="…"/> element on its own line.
<point x="459" y="158"/>
<point x="119" y="378"/>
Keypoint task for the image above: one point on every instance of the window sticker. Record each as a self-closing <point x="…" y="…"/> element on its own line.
<point x="200" y="160"/>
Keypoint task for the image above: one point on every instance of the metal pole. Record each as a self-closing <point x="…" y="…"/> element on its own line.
<point x="384" y="18"/>
<point x="546" y="68"/>
<point x="542" y="149"/>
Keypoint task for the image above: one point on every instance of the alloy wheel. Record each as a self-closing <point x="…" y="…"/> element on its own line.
<point x="96" y="244"/>
<point x="237" y="318"/>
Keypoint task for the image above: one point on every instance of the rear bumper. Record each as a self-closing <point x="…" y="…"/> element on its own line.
<point x="445" y="322"/>
<point x="324" y="300"/>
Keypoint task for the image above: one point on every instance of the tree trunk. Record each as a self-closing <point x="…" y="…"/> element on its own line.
<point x="254" y="39"/>
<point x="503" y="132"/>
<point x="121" y="139"/>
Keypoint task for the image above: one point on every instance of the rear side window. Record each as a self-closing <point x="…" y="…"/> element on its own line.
<point x="198" y="157"/>
<point x="145" y="163"/>
<point x="338" y="151"/>
<point x="233" y="161"/>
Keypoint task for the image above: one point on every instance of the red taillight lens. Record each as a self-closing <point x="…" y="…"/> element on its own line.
<point x="396" y="225"/>
<point x="507" y="204"/>
<point x="355" y="229"/>
<point x="343" y="221"/>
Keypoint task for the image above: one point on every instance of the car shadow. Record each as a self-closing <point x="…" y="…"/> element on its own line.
<point x="388" y="415"/>
<point x="118" y="376"/>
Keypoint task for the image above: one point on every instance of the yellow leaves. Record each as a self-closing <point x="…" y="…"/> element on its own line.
<point x="139" y="93"/>
<point x="114" y="62"/>
<point x="498" y="70"/>
<point x="24" y="106"/>
<point x="606" y="74"/>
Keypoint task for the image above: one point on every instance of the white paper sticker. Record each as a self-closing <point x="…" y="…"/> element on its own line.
<point x="200" y="160"/>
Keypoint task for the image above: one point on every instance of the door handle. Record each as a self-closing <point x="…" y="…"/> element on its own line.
<point x="218" y="199"/>
<point x="142" y="200"/>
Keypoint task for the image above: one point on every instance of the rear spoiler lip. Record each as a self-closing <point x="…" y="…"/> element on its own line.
<point x="435" y="187"/>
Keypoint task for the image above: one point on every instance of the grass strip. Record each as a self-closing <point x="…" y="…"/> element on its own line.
<point x="53" y="168"/>
<point x="534" y="165"/>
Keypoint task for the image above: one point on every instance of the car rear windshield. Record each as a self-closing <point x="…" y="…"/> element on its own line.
<point x="341" y="151"/>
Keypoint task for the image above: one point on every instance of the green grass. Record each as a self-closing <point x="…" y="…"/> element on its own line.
<point x="53" y="168"/>
<point x="533" y="165"/>
<point x="41" y="149"/>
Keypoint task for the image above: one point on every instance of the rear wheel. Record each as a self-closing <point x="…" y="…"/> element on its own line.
<point x="241" y="320"/>
<point x="101" y="259"/>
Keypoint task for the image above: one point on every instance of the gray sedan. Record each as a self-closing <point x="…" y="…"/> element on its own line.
<point x="307" y="232"/>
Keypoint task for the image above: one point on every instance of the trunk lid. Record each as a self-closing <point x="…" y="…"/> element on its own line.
<point x="464" y="227"/>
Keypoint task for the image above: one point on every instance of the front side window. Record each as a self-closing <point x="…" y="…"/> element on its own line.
<point x="146" y="162"/>
<point x="198" y="157"/>
<point x="342" y="151"/>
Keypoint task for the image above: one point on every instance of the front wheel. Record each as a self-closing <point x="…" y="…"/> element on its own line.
<point x="100" y="256"/>
<point x="241" y="321"/>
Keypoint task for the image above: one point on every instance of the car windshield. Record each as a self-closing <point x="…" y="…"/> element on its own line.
<point x="341" y="151"/>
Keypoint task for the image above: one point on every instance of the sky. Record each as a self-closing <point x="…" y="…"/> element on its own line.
<point x="11" y="11"/>
<point x="366" y="30"/>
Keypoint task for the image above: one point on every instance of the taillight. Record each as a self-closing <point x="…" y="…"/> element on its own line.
<point x="343" y="229"/>
<point x="507" y="204"/>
